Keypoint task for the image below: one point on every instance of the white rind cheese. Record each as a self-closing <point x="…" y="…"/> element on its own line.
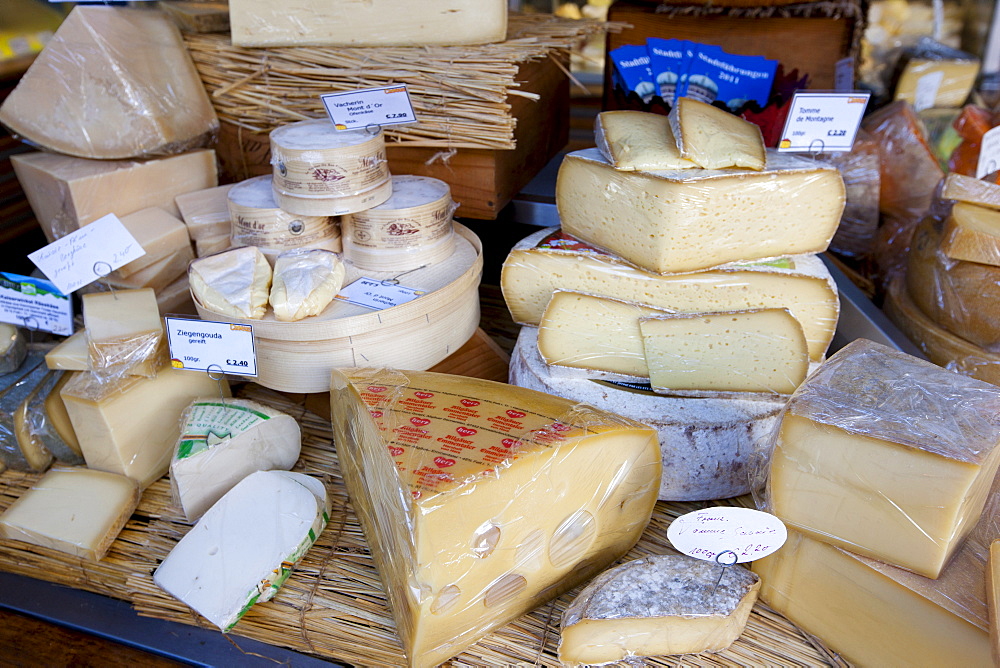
<point x="638" y="141"/>
<point x="304" y="283"/>
<point x="715" y="139"/>
<point x="234" y="283"/>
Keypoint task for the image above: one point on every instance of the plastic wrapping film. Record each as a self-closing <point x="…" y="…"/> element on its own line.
<point x="13" y="347"/>
<point x="885" y="455"/>
<point x="637" y="141"/>
<point x="206" y="211"/>
<point x="234" y="282"/>
<point x="305" y="282"/>
<point x="658" y="605"/>
<point x="448" y="476"/>
<point x="112" y="83"/>
<point x="34" y="421"/>
<point x="258" y="221"/>
<point x="931" y="74"/>
<point x="971" y="124"/>
<point x="16" y="452"/>
<point x="125" y="335"/>
<point x="962" y="188"/>
<point x="859" y="168"/>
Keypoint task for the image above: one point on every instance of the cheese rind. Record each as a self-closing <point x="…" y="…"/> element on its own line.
<point x="638" y="141"/>
<point x="234" y="283"/>
<point x="972" y="233"/>
<point x="304" y="283"/>
<point x="13" y="347"/>
<point x="715" y="139"/>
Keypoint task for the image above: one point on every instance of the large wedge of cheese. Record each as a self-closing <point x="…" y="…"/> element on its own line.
<point x="234" y="283"/>
<point x="449" y="476"/>
<point x="713" y="138"/>
<point x="124" y="331"/>
<point x="112" y="83"/>
<point x="548" y="261"/>
<point x="305" y="282"/>
<point x="638" y="141"/>
<point x="245" y="547"/>
<point x="972" y="233"/>
<point x="223" y="442"/>
<point x="887" y="456"/>
<point x="689" y="219"/>
<point x="658" y="605"/>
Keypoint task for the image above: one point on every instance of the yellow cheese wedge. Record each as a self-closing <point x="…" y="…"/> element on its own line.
<point x="37" y="432"/>
<point x="638" y="140"/>
<point x="713" y="138"/>
<point x="57" y="418"/>
<point x="73" y="354"/>
<point x="927" y="83"/>
<point x="962" y="188"/>
<point x="972" y="233"/>
<point x="18" y="451"/>
<point x="124" y="331"/>
<point x="158" y="232"/>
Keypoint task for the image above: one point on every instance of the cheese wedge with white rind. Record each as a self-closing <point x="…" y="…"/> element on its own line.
<point x="660" y="605"/>
<point x="26" y="456"/>
<point x="244" y="548"/>
<point x="972" y="233"/>
<point x="447" y="475"/>
<point x="38" y="432"/>
<point x="223" y="442"/>
<point x="690" y="219"/>
<point x="124" y="331"/>
<point x="235" y="282"/>
<point x="304" y="283"/>
<point x="13" y="347"/>
<point x="713" y="138"/>
<point x="638" y="141"/>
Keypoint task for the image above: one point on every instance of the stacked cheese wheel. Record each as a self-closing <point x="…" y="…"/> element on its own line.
<point x="685" y="269"/>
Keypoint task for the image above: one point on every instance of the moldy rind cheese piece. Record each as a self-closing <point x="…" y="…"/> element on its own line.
<point x="690" y="219"/>
<point x="124" y="331"/>
<point x="715" y="139"/>
<point x="887" y="456"/>
<point x="233" y="283"/>
<point x="655" y="606"/>
<point x="638" y="141"/>
<point x="972" y="233"/>
<point x="450" y="475"/>
<point x="305" y="282"/>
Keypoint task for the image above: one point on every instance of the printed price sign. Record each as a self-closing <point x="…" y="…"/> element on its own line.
<point x="376" y="294"/>
<point x="989" y="153"/>
<point x="35" y="303"/>
<point x="82" y="257"/>
<point x="706" y="534"/>
<point x="354" y="110"/>
<point x="823" y="122"/>
<point x="203" y="345"/>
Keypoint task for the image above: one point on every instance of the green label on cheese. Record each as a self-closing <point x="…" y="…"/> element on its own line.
<point x="208" y="423"/>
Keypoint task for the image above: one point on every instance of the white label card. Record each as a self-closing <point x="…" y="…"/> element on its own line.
<point x="843" y="75"/>
<point x="359" y="109"/>
<point x="823" y="122"/>
<point x="706" y="534"/>
<point x="926" y="92"/>
<point x="86" y="255"/>
<point x="989" y="153"/>
<point x="204" y="345"/>
<point x="35" y="303"/>
<point x="376" y="294"/>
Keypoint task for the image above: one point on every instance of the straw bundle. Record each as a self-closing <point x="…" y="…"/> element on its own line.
<point x="459" y="93"/>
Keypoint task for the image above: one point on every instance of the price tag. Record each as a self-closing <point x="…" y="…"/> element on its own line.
<point x="823" y="122"/>
<point x="82" y="257"/>
<point x="989" y="153"/>
<point x="843" y="75"/>
<point x="389" y="105"/>
<point x="926" y="91"/>
<point x="376" y="294"/>
<point x="35" y="303"/>
<point x="203" y="345"/>
<point x="749" y="534"/>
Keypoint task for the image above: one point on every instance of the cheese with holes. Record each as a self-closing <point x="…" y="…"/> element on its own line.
<point x="235" y="283"/>
<point x="993" y="597"/>
<point x="739" y="351"/>
<point x="660" y="605"/>
<point x="689" y="219"/>
<point x="548" y="261"/>
<point x="160" y="234"/>
<point x="638" y="141"/>
<point x="38" y="432"/>
<point x="67" y="193"/>
<point x="713" y="138"/>
<point x="206" y="212"/>
<point x="72" y="354"/>
<point x="972" y="233"/>
<point x="962" y="188"/>
<point x="112" y="83"/>
<point x="73" y="510"/>
<point x="887" y="456"/>
<point x="130" y="425"/>
<point x="305" y="282"/>
<point x="13" y="347"/>
<point x="448" y="475"/>
<point x="124" y="331"/>
<point x="245" y="547"/>
<point x="223" y="442"/>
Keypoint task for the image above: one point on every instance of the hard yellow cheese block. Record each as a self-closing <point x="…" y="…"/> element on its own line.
<point x="713" y="138"/>
<point x="73" y="354"/>
<point x="887" y="456"/>
<point x="206" y="212"/>
<point x="689" y="219"/>
<point x="962" y="188"/>
<point x="638" y="141"/>
<point x="972" y="233"/>
<point x="927" y="83"/>
<point x="160" y="234"/>
<point x="482" y="500"/>
<point x="124" y="330"/>
<point x="993" y="597"/>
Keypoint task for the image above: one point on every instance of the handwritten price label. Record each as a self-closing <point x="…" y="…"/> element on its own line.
<point x="749" y="534"/>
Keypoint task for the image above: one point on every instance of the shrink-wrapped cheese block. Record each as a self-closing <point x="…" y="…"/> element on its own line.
<point x="160" y="234"/>
<point x="638" y="141"/>
<point x="206" y="212"/>
<point x="124" y="332"/>
<point x="859" y="167"/>
<point x="448" y="474"/>
<point x="962" y="188"/>
<point x="972" y="233"/>
<point x="17" y="450"/>
<point x="39" y="430"/>
<point x="715" y="139"/>
<point x="59" y="426"/>
<point x="993" y="597"/>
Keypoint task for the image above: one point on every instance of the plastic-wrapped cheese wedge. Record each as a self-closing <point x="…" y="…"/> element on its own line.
<point x="962" y="188"/>
<point x="689" y="219"/>
<point x="38" y="433"/>
<point x="972" y="233"/>
<point x="124" y="332"/>
<point x="234" y="282"/>
<point x="244" y="548"/>
<point x="448" y="475"/>
<point x="223" y="442"/>
<point x="17" y="452"/>
<point x="713" y="138"/>
<point x="13" y="347"/>
<point x="57" y="425"/>
<point x="659" y="605"/>
<point x="73" y="510"/>
<point x="305" y="282"/>
<point x="206" y="212"/>
<point x="638" y="141"/>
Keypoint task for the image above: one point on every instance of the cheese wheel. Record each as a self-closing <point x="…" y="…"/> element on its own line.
<point x="258" y="221"/>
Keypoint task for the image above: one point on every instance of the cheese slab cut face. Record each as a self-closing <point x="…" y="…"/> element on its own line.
<point x="223" y="442"/>
<point x="548" y="261"/>
<point x="887" y="456"/>
<point x="715" y="139"/>
<point x="234" y="283"/>
<point x="124" y="331"/>
<point x="661" y="605"/>
<point x="962" y="188"/>
<point x="212" y="245"/>
<point x="741" y="351"/>
<point x="687" y="219"/>
<point x="448" y="475"/>
<point x="245" y="547"/>
<point x="73" y="354"/>
<point x="13" y="347"/>
<point x="304" y="283"/>
<point x="73" y="510"/>
<point x="972" y="233"/>
<point x="993" y="597"/>
<point x="112" y="83"/>
<point x="158" y="232"/>
<point x="206" y="212"/>
<point x="638" y="141"/>
<point x="158" y="275"/>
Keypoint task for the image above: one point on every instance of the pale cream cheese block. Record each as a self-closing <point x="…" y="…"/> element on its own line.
<point x="73" y="510"/>
<point x="223" y="442"/>
<point x="387" y="23"/>
<point x="157" y="276"/>
<point x="244" y="548"/>
<point x="448" y="474"/>
<point x="206" y="211"/>
<point x="936" y="83"/>
<point x="72" y="354"/>
<point x="972" y="233"/>
<point x="17" y="451"/>
<point x="124" y="331"/>
<point x="176" y="298"/>
<point x="235" y="282"/>
<point x="713" y="138"/>
<point x="993" y="597"/>
<point x="962" y="188"/>
<point x="887" y="456"/>
<point x="13" y="347"/>
<point x="39" y="433"/>
<point x="660" y="605"/>
<point x="304" y="283"/>
<point x="212" y="245"/>
<point x="112" y="83"/>
<point x="547" y="261"/>
<point x="638" y="141"/>
<point x="160" y="234"/>
<point x="689" y="219"/>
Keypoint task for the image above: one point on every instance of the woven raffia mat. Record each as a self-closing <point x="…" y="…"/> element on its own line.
<point x="333" y="604"/>
<point x="459" y="93"/>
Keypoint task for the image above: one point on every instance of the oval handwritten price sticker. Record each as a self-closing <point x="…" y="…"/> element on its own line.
<point x="749" y="534"/>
